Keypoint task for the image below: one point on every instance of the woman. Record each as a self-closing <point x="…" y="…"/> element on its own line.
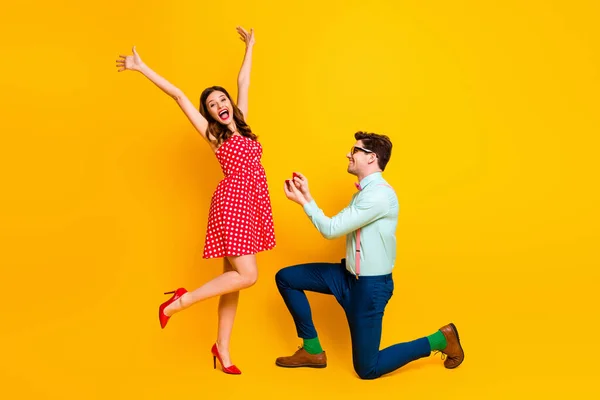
<point x="240" y="222"/>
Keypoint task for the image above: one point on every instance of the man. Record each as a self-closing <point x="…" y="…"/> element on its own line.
<point x="362" y="283"/>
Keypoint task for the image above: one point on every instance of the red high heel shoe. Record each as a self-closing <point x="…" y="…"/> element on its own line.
<point x="232" y="369"/>
<point x="161" y="315"/>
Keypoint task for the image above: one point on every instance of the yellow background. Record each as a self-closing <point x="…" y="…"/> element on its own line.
<point x="493" y="111"/>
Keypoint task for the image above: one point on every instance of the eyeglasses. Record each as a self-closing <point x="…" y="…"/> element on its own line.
<point x="354" y="149"/>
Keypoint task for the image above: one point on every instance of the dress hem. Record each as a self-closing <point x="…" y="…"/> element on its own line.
<point x="238" y="255"/>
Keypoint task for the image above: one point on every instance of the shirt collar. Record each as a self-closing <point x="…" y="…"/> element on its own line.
<point x="368" y="179"/>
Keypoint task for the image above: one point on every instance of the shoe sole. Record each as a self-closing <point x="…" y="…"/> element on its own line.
<point x="459" y="345"/>
<point x="301" y="365"/>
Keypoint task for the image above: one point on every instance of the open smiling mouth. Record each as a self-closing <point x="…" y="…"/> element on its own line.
<point x="224" y="114"/>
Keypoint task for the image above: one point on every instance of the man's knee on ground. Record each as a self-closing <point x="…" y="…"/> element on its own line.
<point x="366" y="372"/>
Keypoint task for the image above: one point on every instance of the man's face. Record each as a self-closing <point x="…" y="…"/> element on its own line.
<point x="358" y="158"/>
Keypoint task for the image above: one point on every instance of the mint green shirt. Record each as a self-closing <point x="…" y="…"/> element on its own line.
<point x="374" y="209"/>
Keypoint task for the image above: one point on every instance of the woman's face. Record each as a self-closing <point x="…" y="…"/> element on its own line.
<point x="219" y="107"/>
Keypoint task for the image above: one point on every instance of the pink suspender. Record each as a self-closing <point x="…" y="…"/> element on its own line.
<point x="357" y="253"/>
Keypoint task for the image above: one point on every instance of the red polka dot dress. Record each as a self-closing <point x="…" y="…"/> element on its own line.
<point x="240" y="219"/>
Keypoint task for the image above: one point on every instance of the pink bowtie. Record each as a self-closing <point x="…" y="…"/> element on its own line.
<point x="357" y="186"/>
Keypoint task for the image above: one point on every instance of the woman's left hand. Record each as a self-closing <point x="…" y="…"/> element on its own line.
<point x="246" y="37"/>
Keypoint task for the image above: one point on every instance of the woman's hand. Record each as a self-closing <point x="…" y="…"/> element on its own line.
<point x="133" y="62"/>
<point x="246" y="37"/>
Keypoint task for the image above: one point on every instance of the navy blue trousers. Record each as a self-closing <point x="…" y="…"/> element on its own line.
<point x="363" y="300"/>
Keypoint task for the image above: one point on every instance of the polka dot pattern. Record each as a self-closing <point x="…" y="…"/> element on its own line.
<point x="240" y="219"/>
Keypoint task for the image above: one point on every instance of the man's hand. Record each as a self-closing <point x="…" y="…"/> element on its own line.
<point x="293" y="193"/>
<point x="301" y="184"/>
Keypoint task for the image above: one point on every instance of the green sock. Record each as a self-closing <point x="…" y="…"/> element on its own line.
<point x="437" y="341"/>
<point x="312" y="346"/>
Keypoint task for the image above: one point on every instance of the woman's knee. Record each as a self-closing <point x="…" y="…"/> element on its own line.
<point x="247" y="269"/>
<point x="249" y="278"/>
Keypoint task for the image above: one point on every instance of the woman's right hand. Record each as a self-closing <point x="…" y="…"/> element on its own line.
<point x="133" y="62"/>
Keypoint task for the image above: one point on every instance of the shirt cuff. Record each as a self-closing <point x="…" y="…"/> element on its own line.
<point x="310" y="208"/>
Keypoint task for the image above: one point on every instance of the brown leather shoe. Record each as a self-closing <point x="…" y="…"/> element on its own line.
<point x="453" y="351"/>
<point x="302" y="358"/>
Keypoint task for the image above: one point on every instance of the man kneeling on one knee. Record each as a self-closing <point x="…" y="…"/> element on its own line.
<point x="362" y="282"/>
